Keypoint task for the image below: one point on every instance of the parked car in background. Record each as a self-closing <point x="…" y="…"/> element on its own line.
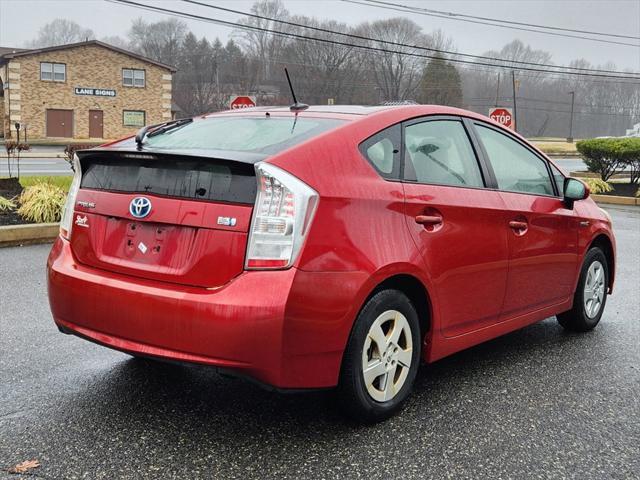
<point x="331" y="247"/>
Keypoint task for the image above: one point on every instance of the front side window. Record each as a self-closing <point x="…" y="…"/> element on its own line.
<point x="516" y="168"/>
<point x="558" y="177"/>
<point x="53" y="72"/>
<point x="133" y="77"/>
<point x="383" y="151"/>
<point x="439" y="152"/>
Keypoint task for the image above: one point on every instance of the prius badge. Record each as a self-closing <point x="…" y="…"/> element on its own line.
<point x="140" y="207"/>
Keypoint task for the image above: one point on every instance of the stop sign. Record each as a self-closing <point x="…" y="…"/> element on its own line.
<point x="503" y="116"/>
<point x="242" y="101"/>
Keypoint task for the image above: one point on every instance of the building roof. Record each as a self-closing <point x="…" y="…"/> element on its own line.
<point x="9" y="53"/>
<point x="5" y="50"/>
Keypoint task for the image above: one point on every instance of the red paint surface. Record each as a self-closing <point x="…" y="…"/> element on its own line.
<point x="193" y="301"/>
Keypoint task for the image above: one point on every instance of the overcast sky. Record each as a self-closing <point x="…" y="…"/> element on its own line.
<point x="21" y="19"/>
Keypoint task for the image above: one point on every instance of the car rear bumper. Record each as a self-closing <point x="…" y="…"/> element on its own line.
<point x="250" y="326"/>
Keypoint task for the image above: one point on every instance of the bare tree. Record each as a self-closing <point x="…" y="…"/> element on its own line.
<point x="160" y="41"/>
<point x="116" y="41"/>
<point x="396" y="74"/>
<point x="60" y="32"/>
<point x="262" y="46"/>
<point x="322" y="70"/>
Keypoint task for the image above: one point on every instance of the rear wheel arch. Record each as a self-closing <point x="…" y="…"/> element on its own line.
<point x="417" y="293"/>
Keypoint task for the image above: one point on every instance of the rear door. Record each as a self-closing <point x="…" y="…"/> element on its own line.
<point x="542" y="232"/>
<point x="160" y="217"/>
<point x="456" y="222"/>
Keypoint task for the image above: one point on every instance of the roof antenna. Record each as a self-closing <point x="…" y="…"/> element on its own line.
<point x="296" y="107"/>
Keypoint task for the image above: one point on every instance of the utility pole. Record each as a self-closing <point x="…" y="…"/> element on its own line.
<point x="497" y="90"/>
<point x="573" y="97"/>
<point x="515" y="104"/>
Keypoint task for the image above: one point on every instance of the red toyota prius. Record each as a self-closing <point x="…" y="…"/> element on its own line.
<point x="329" y="247"/>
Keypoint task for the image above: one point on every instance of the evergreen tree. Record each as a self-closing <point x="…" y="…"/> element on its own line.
<point x="440" y="84"/>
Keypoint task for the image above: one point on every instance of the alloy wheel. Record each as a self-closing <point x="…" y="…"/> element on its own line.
<point x="386" y="356"/>
<point x="593" y="294"/>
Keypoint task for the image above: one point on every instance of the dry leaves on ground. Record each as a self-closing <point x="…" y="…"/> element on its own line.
<point x="25" y="466"/>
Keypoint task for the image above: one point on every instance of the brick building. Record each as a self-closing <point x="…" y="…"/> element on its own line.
<point x="87" y="90"/>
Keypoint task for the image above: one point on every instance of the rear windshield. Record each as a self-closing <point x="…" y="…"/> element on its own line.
<point x="182" y="177"/>
<point x="267" y="135"/>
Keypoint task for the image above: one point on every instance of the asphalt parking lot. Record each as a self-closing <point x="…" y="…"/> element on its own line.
<point x="538" y="403"/>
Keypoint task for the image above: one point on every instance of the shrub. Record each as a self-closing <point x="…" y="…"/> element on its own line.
<point x="42" y="203"/>
<point x="6" y="204"/>
<point x="61" y="181"/>
<point x="597" y="186"/>
<point x="608" y="156"/>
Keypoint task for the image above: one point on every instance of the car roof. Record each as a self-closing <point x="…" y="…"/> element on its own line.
<point x="354" y="112"/>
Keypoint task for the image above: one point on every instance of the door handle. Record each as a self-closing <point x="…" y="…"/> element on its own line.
<point x="429" y="219"/>
<point x="517" y="225"/>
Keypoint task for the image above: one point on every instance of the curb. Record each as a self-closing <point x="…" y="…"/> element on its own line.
<point x="12" y="235"/>
<point x="615" y="200"/>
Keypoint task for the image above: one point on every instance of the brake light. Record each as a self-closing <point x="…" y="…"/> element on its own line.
<point x="66" y="222"/>
<point x="281" y="217"/>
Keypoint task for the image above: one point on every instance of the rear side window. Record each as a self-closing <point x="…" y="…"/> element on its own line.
<point x="516" y="168"/>
<point x="267" y="135"/>
<point x="383" y="151"/>
<point x="439" y="152"/>
<point x="188" y="178"/>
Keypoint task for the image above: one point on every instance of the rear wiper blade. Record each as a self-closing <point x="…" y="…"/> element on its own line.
<point x="158" y="129"/>
<point x="169" y="126"/>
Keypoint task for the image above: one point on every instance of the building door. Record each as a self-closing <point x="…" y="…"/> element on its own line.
<point x="95" y="124"/>
<point x="60" y="123"/>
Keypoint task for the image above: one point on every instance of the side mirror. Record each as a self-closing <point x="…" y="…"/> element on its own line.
<point x="574" y="190"/>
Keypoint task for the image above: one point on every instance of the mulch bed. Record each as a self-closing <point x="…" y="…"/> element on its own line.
<point x="623" y="189"/>
<point x="10" y="188"/>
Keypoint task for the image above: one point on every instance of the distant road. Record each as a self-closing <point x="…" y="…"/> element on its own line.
<point x="568" y="165"/>
<point x="37" y="166"/>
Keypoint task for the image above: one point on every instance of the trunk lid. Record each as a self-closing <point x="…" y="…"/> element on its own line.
<point x="165" y="217"/>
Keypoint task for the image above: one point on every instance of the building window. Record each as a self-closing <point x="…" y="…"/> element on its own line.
<point x="53" y="72"/>
<point x="132" y="77"/>
<point x="133" y="118"/>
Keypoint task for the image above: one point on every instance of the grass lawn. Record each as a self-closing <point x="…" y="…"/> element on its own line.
<point x="63" y="182"/>
<point x="555" y="146"/>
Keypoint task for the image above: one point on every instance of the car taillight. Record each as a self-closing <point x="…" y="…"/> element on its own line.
<point x="281" y="218"/>
<point x="66" y="223"/>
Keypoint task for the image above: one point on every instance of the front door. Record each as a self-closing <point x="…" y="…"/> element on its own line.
<point x="59" y="123"/>
<point x="456" y="222"/>
<point x="542" y="232"/>
<point x="95" y="124"/>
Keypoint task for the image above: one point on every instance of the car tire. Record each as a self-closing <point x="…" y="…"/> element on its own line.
<point x="384" y="338"/>
<point x="590" y="296"/>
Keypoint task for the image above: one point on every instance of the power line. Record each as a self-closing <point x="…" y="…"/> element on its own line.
<point x="408" y="9"/>
<point x="345" y="44"/>
<point x="510" y="63"/>
<point x="510" y="22"/>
